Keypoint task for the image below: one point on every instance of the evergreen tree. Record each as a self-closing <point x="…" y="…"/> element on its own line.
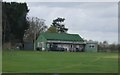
<point x="14" y="21"/>
<point x="60" y="27"/>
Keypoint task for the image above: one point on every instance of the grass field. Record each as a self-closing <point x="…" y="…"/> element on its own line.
<point x="59" y="62"/>
<point x="0" y="61"/>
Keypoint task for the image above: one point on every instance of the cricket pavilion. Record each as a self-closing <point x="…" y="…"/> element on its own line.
<point x="60" y="42"/>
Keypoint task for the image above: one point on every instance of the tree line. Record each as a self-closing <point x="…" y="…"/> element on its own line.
<point x="106" y="47"/>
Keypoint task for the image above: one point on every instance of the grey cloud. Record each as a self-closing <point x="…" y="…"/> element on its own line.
<point x="84" y="5"/>
<point x="55" y="4"/>
<point x="97" y="9"/>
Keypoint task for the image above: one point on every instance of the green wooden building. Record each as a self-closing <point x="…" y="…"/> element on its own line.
<point x="60" y="42"/>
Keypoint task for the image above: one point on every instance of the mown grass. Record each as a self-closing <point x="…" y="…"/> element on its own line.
<point x="0" y="61"/>
<point x="59" y="62"/>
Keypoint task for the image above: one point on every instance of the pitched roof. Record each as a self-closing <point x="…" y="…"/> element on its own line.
<point x="62" y="37"/>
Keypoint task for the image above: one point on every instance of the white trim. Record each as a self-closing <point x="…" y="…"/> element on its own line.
<point x="73" y="42"/>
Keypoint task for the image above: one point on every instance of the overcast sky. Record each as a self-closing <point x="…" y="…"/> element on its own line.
<point x="91" y="20"/>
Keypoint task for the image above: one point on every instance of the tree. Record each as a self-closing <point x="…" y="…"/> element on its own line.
<point x="59" y="26"/>
<point x="103" y="46"/>
<point x="52" y="29"/>
<point x="114" y="47"/>
<point x="36" y="27"/>
<point x="118" y="47"/>
<point x="14" y="21"/>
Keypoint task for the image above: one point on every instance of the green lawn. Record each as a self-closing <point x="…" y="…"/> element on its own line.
<point x="0" y="61"/>
<point x="59" y="62"/>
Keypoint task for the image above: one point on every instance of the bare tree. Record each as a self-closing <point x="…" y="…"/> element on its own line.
<point x="36" y="27"/>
